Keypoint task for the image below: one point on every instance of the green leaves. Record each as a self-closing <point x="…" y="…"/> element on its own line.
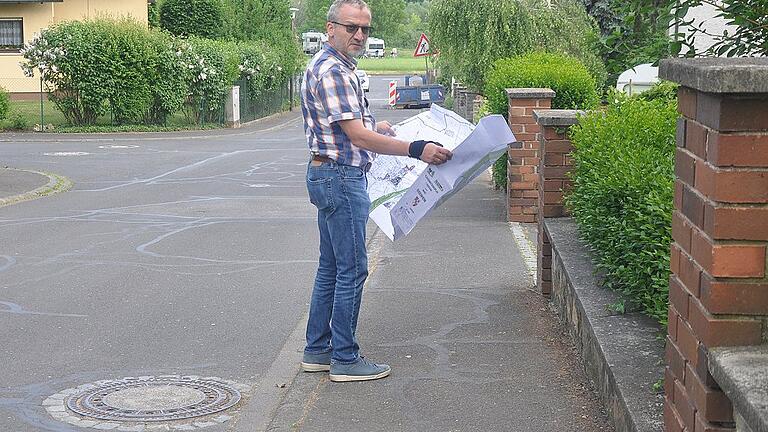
<point x="622" y="196"/>
<point x="574" y="86"/>
<point x="204" y="18"/>
<point x="471" y="36"/>
<point x="749" y="38"/>
<point x="5" y="104"/>
<point x="143" y="76"/>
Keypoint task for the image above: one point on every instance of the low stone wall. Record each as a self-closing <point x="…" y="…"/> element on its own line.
<point x="623" y="354"/>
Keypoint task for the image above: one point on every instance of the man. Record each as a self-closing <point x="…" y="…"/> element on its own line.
<point x="341" y="131"/>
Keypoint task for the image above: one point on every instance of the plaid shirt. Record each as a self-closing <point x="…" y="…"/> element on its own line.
<point x="331" y="92"/>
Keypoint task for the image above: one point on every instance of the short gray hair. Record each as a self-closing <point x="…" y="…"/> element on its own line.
<point x="333" y="11"/>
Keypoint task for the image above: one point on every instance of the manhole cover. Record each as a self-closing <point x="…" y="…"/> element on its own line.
<point x="148" y="399"/>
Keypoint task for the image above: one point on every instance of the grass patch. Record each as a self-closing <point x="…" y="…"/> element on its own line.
<point x="403" y="63"/>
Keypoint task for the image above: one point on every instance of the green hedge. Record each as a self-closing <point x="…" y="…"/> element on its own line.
<point x="5" y="104"/>
<point x="574" y="86"/>
<point x="143" y="76"/>
<point x="494" y="29"/>
<point x="204" y="18"/>
<point x="622" y="196"/>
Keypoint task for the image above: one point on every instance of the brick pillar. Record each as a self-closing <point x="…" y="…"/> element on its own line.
<point x="554" y="164"/>
<point x="718" y="289"/>
<point x="522" y="177"/>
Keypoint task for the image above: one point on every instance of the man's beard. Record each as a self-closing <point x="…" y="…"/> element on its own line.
<point x="356" y="52"/>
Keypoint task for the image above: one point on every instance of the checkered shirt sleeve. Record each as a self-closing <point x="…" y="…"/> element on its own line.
<point x="335" y="91"/>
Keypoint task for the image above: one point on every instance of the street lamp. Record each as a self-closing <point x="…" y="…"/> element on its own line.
<point x="293" y="17"/>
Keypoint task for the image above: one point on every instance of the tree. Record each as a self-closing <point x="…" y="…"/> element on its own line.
<point x="388" y="17"/>
<point x="632" y="32"/>
<point x="268" y="20"/>
<point x="750" y="17"/>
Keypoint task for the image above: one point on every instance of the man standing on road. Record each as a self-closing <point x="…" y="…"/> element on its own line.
<point x="341" y="131"/>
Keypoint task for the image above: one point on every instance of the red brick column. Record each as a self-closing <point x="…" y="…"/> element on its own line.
<point x="718" y="290"/>
<point x="522" y="165"/>
<point x="554" y="164"/>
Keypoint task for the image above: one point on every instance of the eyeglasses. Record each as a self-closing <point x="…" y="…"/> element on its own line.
<point x="353" y="28"/>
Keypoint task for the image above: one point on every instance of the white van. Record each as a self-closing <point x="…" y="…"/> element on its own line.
<point x="374" y="47"/>
<point x="312" y="41"/>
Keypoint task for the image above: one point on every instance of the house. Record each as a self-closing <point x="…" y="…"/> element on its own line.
<point x="21" y="19"/>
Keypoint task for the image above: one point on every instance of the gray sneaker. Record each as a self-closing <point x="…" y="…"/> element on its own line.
<point x="361" y="370"/>
<point x="316" y="362"/>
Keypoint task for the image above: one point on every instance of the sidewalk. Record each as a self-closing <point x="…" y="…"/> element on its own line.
<point x="472" y="346"/>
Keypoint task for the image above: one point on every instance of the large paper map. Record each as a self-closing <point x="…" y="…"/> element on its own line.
<point x="403" y="190"/>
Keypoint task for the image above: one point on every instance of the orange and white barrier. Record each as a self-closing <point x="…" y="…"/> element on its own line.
<point x="392" y="93"/>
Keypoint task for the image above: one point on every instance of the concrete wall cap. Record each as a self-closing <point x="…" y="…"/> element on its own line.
<point x="557" y="117"/>
<point x="718" y="75"/>
<point x="530" y="93"/>
<point x="742" y="373"/>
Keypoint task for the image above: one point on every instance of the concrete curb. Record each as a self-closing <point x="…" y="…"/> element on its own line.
<point x="623" y="354"/>
<point x="56" y="184"/>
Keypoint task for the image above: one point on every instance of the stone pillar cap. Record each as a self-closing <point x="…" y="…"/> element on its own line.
<point x="557" y="117"/>
<point x="718" y="75"/>
<point x="530" y="93"/>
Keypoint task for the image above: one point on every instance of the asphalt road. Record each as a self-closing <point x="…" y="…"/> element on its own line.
<point x="194" y="253"/>
<point x="188" y="253"/>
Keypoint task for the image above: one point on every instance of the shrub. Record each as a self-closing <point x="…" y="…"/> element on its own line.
<point x="203" y="18"/>
<point x="17" y="121"/>
<point x="494" y="29"/>
<point x="170" y="78"/>
<point x="663" y="90"/>
<point x="92" y="68"/>
<point x="622" y="196"/>
<point x="574" y="88"/>
<point x="5" y="103"/>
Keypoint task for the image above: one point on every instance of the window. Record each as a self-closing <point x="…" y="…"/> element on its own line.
<point x="11" y="33"/>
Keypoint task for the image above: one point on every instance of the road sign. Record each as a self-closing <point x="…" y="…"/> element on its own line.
<point x="422" y="48"/>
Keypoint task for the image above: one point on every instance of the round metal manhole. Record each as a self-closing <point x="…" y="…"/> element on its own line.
<point x="153" y="399"/>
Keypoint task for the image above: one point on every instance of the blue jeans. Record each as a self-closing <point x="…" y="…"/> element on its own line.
<point x="340" y="194"/>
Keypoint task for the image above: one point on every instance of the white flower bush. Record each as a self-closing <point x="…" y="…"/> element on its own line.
<point x="94" y="68"/>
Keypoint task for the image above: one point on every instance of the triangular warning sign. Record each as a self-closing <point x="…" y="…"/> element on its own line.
<point x="422" y="48"/>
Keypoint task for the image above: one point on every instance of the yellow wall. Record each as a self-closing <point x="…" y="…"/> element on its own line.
<point x="38" y="16"/>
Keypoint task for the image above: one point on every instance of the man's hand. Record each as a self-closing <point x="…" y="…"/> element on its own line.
<point x="385" y="128"/>
<point x="435" y="154"/>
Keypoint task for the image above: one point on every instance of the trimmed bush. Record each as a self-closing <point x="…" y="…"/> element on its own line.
<point x="574" y="87"/>
<point x="622" y="196"/>
<point x="203" y="18"/>
<point x="5" y="104"/>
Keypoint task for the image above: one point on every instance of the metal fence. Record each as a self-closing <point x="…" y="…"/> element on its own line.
<point x="256" y="104"/>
